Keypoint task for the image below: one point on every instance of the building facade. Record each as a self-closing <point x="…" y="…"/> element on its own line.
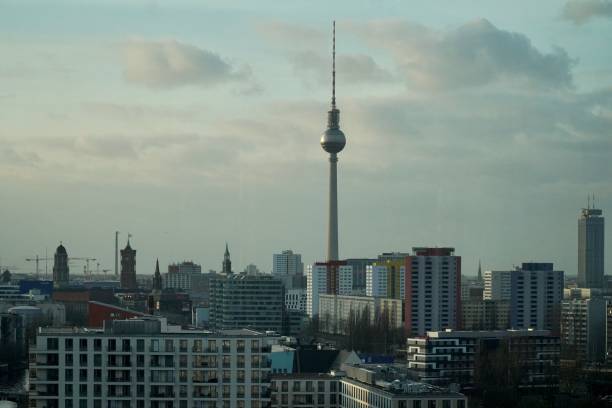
<point x="332" y="278"/>
<point x="287" y="263"/>
<point x="335" y="311"/>
<point x="386" y="279"/>
<point x="447" y="357"/>
<point x="485" y="314"/>
<point x="591" y="248"/>
<point x="535" y="292"/>
<point x="313" y="390"/>
<point x="246" y="301"/>
<point x="146" y="363"/>
<point x="295" y="299"/>
<point x="584" y="328"/>
<point x="128" y="267"/>
<point x="182" y="275"/>
<point x="432" y="290"/>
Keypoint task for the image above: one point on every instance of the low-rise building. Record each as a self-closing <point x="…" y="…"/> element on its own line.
<point x="147" y="363"/>
<point x="375" y="387"/>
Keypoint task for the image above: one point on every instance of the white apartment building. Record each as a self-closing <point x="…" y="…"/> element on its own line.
<point x="327" y="277"/>
<point x="386" y="280"/>
<point x="535" y="292"/>
<point x="295" y="299"/>
<point x="181" y="275"/>
<point x="584" y="326"/>
<point x="146" y="363"/>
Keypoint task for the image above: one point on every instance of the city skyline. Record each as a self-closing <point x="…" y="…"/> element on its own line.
<point x="492" y="156"/>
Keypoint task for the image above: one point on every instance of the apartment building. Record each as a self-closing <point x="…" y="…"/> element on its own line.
<point x="147" y="363"/>
<point x="332" y="278"/>
<point x="445" y="357"/>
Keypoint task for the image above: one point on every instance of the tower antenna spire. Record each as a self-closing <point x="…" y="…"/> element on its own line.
<point x="334" y="65"/>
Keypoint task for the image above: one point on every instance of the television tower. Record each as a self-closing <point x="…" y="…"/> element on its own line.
<point x="333" y="141"/>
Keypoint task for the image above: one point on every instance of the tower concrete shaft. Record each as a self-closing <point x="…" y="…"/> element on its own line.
<point x="332" y="227"/>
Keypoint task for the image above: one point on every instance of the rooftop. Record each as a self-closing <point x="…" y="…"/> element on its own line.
<point x="448" y="333"/>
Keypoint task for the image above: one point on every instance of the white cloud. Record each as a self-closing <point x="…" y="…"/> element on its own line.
<point x="581" y="11"/>
<point x="169" y="63"/>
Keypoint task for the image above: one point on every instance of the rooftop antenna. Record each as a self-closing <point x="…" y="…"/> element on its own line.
<point x="334" y="66"/>
<point x="593" y="200"/>
<point x="588" y="201"/>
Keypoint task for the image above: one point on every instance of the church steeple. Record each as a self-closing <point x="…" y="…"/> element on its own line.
<point x="157" y="278"/>
<point x="226" y="267"/>
<point x="479" y="272"/>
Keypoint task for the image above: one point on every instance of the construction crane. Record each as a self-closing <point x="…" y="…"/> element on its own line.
<point x="37" y="259"/>
<point x="86" y="271"/>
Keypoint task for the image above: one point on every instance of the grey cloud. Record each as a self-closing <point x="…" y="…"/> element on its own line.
<point x="474" y="54"/>
<point x="169" y="63"/>
<point x="581" y="11"/>
<point x="108" y="146"/>
<point x="352" y="69"/>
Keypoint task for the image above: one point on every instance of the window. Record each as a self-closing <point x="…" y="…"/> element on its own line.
<point x="140" y="345"/>
<point x="446" y="404"/>
<point x="97" y="360"/>
<point x="431" y="404"/>
<point x="154" y="345"/>
<point x="68" y="403"/>
<point x="83" y="389"/>
<point x="416" y="404"/>
<point x="68" y="389"/>
<point x="68" y="375"/>
<point x="83" y="359"/>
<point x="68" y="344"/>
<point x="83" y="344"/>
<point x="52" y="343"/>
<point x="83" y="375"/>
<point x="183" y="346"/>
<point x="68" y="359"/>
<point x="321" y="386"/>
<point x="97" y="344"/>
<point x="284" y="386"/>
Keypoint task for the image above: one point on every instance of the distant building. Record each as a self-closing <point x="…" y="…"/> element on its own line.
<point x="287" y="263"/>
<point x="432" y="290"/>
<point x="332" y="278"/>
<point x="583" y="327"/>
<point x="61" y="271"/>
<point x="128" y="267"/>
<point x="534" y="353"/>
<point x="295" y="299"/>
<point x="359" y="266"/>
<point x="386" y="279"/>
<point x="182" y="275"/>
<point x="535" y="292"/>
<point x="246" y="301"/>
<point x="335" y="311"/>
<point x="485" y="314"/>
<point x="98" y="313"/>
<point x="251" y="269"/>
<point x="226" y="266"/>
<point x="591" y="248"/>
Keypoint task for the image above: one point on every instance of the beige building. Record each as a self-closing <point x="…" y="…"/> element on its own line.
<point x="335" y="311"/>
<point x="485" y="314"/>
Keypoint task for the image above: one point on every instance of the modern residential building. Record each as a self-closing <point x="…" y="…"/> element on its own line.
<point x="445" y="357"/>
<point x="583" y="326"/>
<point x="485" y="314"/>
<point x="386" y="279"/>
<point x="182" y="275"/>
<point x="128" y="267"/>
<point x="332" y="278"/>
<point x="148" y="363"/>
<point x="313" y="390"/>
<point x="61" y="271"/>
<point x="359" y="266"/>
<point x="287" y="263"/>
<point x="379" y="387"/>
<point x="295" y="299"/>
<point x="591" y="248"/>
<point x="535" y="292"/>
<point x="246" y="301"/>
<point x="432" y="290"/>
<point x="336" y="310"/>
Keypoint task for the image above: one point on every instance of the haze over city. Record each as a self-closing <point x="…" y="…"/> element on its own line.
<point x="482" y="127"/>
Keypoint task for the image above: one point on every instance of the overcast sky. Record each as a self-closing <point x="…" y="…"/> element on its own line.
<point x="479" y="125"/>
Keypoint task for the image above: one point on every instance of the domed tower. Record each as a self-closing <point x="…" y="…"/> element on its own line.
<point x="333" y="141"/>
<point x="61" y="271"/>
